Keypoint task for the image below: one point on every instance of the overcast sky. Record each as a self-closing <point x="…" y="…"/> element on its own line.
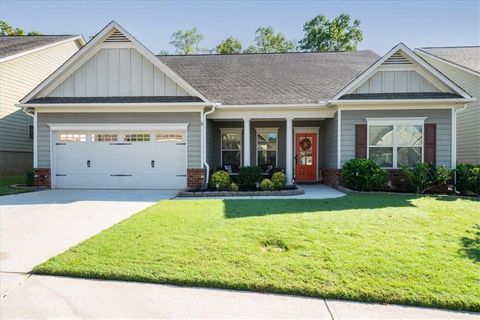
<point x="384" y="23"/>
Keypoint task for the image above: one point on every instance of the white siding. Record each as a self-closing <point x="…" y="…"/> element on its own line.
<point x="17" y="78"/>
<point x="117" y="72"/>
<point x="468" y="121"/>
<point x="396" y="81"/>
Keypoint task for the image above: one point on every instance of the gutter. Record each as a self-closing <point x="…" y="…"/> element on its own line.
<point x="204" y="141"/>
<point x="400" y="101"/>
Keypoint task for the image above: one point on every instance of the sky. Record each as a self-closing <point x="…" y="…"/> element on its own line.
<point x="384" y="23"/>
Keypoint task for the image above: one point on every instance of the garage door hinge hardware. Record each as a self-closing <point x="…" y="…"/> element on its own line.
<point x="60" y="144"/>
<point x="181" y="175"/>
<point x="61" y="175"/>
<point x="181" y="143"/>
<point x="120" y="175"/>
<point x="120" y="144"/>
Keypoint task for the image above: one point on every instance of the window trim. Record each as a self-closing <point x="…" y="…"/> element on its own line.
<point x="231" y="130"/>
<point x="395" y="122"/>
<point x="266" y="130"/>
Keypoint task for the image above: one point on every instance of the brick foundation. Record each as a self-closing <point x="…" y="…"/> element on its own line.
<point x="41" y="177"/>
<point x="331" y="176"/>
<point x="195" y="178"/>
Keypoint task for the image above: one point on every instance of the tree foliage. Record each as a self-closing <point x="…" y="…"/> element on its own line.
<point x="187" y="42"/>
<point x="267" y="41"/>
<point x="338" y="34"/>
<point x="229" y="46"/>
<point x="7" y="30"/>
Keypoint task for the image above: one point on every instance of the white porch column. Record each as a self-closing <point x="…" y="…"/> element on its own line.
<point x="289" y="151"/>
<point x="246" y="141"/>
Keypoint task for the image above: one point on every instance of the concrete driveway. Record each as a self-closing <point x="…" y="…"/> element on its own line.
<point x="36" y="226"/>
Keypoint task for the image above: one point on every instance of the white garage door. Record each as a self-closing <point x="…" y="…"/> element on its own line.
<point x="120" y="160"/>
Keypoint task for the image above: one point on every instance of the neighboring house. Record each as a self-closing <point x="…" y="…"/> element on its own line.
<point x="461" y="65"/>
<point x="25" y="61"/>
<point x="117" y="116"/>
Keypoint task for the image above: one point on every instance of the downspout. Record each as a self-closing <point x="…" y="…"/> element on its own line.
<point x="204" y="142"/>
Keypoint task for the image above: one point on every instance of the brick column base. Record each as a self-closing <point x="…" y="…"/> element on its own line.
<point x="41" y="177"/>
<point x="331" y="176"/>
<point x="195" y="178"/>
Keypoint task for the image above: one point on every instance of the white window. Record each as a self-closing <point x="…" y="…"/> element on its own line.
<point x="231" y="147"/>
<point x="169" y="136"/>
<point x="137" y="137"/>
<point x="73" y="137"/>
<point x="394" y="143"/>
<point x="267" y="147"/>
<point x="101" y="137"/>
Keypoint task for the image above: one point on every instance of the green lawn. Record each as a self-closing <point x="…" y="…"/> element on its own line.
<point x="369" y="247"/>
<point x="7" y="180"/>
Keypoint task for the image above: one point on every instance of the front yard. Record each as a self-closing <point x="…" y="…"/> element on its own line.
<point x="369" y="247"/>
<point x="7" y="180"/>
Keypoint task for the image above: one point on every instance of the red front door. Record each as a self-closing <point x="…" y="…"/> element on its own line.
<point x="305" y="156"/>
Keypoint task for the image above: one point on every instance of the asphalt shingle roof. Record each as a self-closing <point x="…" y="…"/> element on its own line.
<point x="139" y="99"/>
<point x="467" y="57"/>
<point x="275" y="78"/>
<point x="11" y="45"/>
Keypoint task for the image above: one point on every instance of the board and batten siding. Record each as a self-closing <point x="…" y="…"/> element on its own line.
<point x="18" y="77"/>
<point x="192" y="118"/>
<point x="396" y="81"/>
<point x="442" y="117"/>
<point x="117" y="72"/>
<point x="468" y="120"/>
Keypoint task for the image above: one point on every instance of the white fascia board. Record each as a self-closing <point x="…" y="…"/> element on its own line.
<point x="181" y="108"/>
<point x="96" y="42"/>
<point x="21" y="54"/>
<point x="420" y="52"/>
<point x="116" y="126"/>
<point x="272" y="113"/>
<point x="274" y="106"/>
<point x="401" y="101"/>
<point x="410" y="54"/>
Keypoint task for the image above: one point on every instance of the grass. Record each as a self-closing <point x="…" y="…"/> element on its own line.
<point x="7" y="180"/>
<point x="370" y="247"/>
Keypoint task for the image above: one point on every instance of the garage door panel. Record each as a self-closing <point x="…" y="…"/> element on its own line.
<point x="114" y="165"/>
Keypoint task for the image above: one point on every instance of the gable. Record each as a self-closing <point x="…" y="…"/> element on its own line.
<point x="113" y="64"/>
<point x="399" y="74"/>
<point x="117" y="72"/>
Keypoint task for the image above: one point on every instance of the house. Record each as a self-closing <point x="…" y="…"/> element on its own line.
<point x="461" y="65"/>
<point x="117" y="116"/>
<point x="25" y="61"/>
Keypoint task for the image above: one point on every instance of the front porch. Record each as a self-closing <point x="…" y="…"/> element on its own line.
<point x="299" y="147"/>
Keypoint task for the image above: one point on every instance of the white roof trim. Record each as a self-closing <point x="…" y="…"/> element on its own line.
<point x="53" y="44"/>
<point x="410" y="54"/>
<point x="420" y="52"/>
<point x="98" y="39"/>
<point x="117" y="126"/>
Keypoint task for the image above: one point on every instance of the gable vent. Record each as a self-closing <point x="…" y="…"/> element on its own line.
<point x="117" y="36"/>
<point x="397" y="58"/>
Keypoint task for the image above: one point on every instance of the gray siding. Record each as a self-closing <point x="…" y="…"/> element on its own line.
<point x="193" y="134"/>
<point x="442" y="117"/>
<point x="330" y="142"/>
<point x="468" y="128"/>
<point x="210" y="145"/>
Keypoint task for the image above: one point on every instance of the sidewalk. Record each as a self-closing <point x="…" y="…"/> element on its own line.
<point x="59" y="297"/>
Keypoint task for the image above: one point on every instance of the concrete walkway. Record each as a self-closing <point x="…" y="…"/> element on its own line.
<point x="42" y="297"/>
<point x="312" y="191"/>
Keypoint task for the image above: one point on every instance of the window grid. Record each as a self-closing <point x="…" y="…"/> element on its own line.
<point x="169" y="137"/>
<point x="267" y="131"/>
<point x="137" y="137"/>
<point x="231" y="131"/>
<point x="104" y="137"/>
<point x="73" y="137"/>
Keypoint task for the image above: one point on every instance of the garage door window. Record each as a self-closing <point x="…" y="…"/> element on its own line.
<point x="137" y="137"/>
<point x="73" y="137"/>
<point x="169" y="136"/>
<point x="101" y="137"/>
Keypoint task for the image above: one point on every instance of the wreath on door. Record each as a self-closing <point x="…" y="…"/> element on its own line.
<point x="305" y="144"/>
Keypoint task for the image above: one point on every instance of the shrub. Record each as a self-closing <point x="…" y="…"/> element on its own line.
<point x="233" y="186"/>
<point x="220" y="180"/>
<point x="248" y="177"/>
<point x="363" y="175"/>
<point x="424" y="176"/>
<point x="468" y="178"/>
<point x="266" y="185"/>
<point x="279" y="180"/>
<point x="29" y="176"/>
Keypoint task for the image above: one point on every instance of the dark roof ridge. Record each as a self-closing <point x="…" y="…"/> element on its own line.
<point x="259" y="53"/>
<point x="448" y="47"/>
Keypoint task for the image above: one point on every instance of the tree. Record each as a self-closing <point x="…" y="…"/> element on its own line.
<point x="186" y="42"/>
<point x="339" y="34"/>
<point x="229" y="46"/>
<point x="7" y="30"/>
<point x="266" y="41"/>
